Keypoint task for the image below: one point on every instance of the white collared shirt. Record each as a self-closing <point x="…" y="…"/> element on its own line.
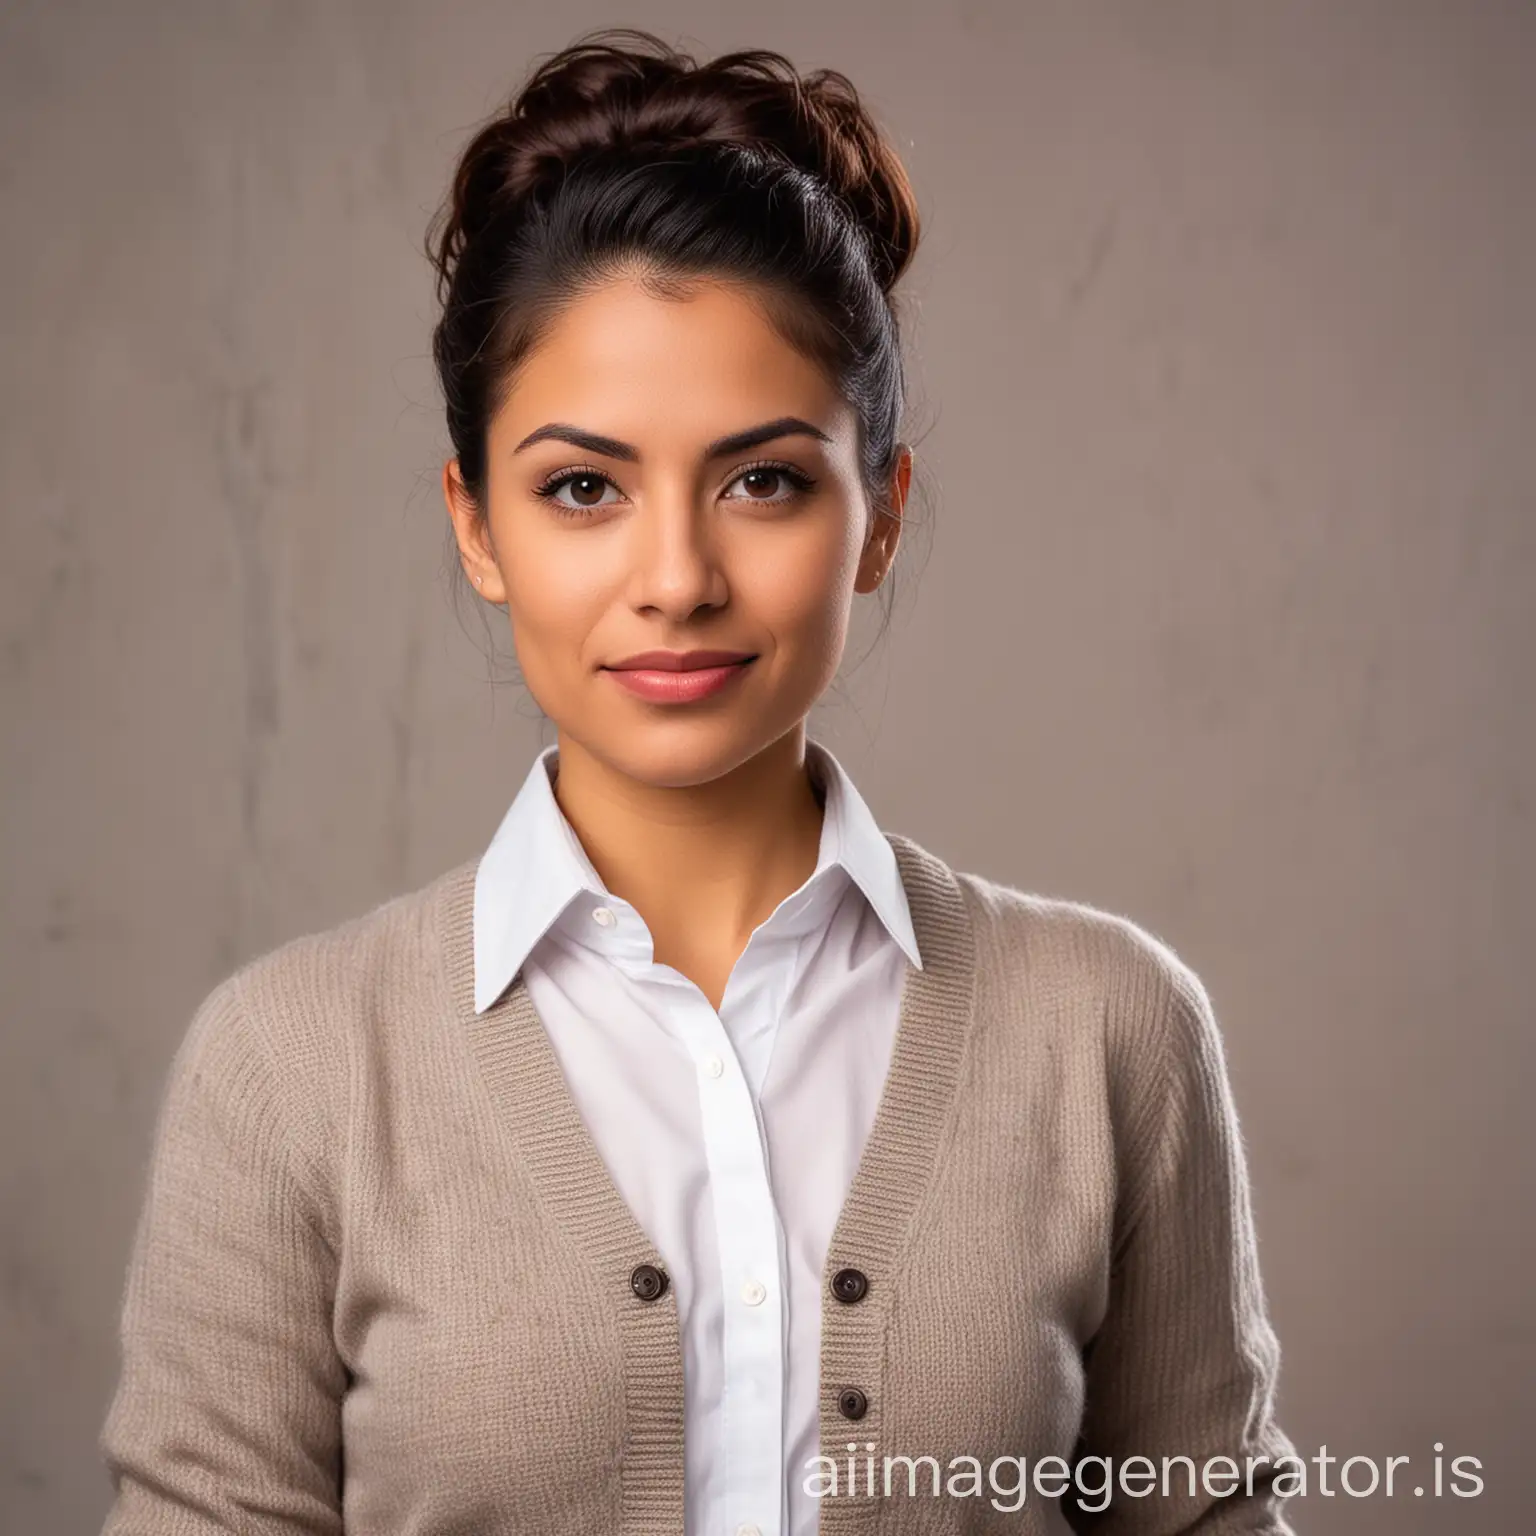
<point x="732" y="1136"/>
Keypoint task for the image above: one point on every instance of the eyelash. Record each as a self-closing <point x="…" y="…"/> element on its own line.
<point x="547" y="490"/>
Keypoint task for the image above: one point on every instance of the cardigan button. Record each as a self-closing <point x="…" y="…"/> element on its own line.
<point x="849" y="1285"/>
<point x="648" y="1282"/>
<point x="852" y="1403"/>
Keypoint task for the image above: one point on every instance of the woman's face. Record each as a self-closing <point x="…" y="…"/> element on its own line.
<point x="620" y="520"/>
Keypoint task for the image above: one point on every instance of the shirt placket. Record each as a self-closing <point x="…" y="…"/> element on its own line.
<point x="747" y="1233"/>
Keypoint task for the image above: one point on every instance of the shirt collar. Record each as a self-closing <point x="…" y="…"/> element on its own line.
<point x="535" y="867"/>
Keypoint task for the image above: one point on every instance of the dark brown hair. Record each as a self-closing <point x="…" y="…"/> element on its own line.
<point x="620" y="152"/>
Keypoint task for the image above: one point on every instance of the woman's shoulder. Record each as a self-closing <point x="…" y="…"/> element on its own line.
<point x="303" y="995"/>
<point x="379" y="946"/>
<point x="1104" y="976"/>
<point x="273" y="1046"/>
<point x="1065" y="940"/>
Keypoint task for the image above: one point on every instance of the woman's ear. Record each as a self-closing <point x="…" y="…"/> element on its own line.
<point x="471" y="531"/>
<point x="885" y="527"/>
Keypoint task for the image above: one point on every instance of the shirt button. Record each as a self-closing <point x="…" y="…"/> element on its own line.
<point x="604" y="917"/>
<point x="753" y="1292"/>
<point x="713" y="1066"/>
<point x="850" y="1285"/>
<point x="648" y="1282"/>
<point x="748" y="1530"/>
<point x="852" y="1403"/>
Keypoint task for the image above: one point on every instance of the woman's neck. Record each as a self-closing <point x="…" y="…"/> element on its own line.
<point x="703" y="864"/>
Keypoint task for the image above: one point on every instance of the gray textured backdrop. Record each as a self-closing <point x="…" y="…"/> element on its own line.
<point x="1224" y="352"/>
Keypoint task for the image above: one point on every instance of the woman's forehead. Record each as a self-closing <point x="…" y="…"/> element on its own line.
<point x="624" y="324"/>
<point x="632" y="365"/>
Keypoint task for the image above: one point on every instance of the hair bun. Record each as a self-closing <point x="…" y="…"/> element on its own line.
<point x="623" y="91"/>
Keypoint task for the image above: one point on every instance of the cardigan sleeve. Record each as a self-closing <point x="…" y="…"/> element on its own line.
<point x="1185" y="1363"/>
<point x="226" y="1416"/>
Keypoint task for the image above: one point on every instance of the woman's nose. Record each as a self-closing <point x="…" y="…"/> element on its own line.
<point x="677" y="564"/>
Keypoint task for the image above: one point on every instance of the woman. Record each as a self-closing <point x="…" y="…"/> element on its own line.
<point x="701" y="1156"/>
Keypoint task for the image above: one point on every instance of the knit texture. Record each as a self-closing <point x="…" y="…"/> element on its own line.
<point x="381" y="1279"/>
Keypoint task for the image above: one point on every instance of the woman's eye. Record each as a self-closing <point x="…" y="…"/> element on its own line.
<point x="586" y="491"/>
<point x="766" y="478"/>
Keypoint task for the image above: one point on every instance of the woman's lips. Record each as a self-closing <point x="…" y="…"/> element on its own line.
<point x="658" y="687"/>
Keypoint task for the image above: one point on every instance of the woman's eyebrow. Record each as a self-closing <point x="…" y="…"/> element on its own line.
<point x="614" y="448"/>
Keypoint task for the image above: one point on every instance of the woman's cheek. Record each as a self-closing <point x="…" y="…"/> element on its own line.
<point x="549" y="637"/>
<point x="802" y="587"/>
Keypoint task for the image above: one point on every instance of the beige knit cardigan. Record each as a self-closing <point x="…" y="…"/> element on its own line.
<point x="382" y="1280"/>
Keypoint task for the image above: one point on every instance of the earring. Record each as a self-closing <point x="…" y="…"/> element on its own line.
<point x="479" y="580"/>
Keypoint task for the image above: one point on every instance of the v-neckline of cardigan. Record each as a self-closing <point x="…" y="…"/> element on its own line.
<point x="895" y="1168"/>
